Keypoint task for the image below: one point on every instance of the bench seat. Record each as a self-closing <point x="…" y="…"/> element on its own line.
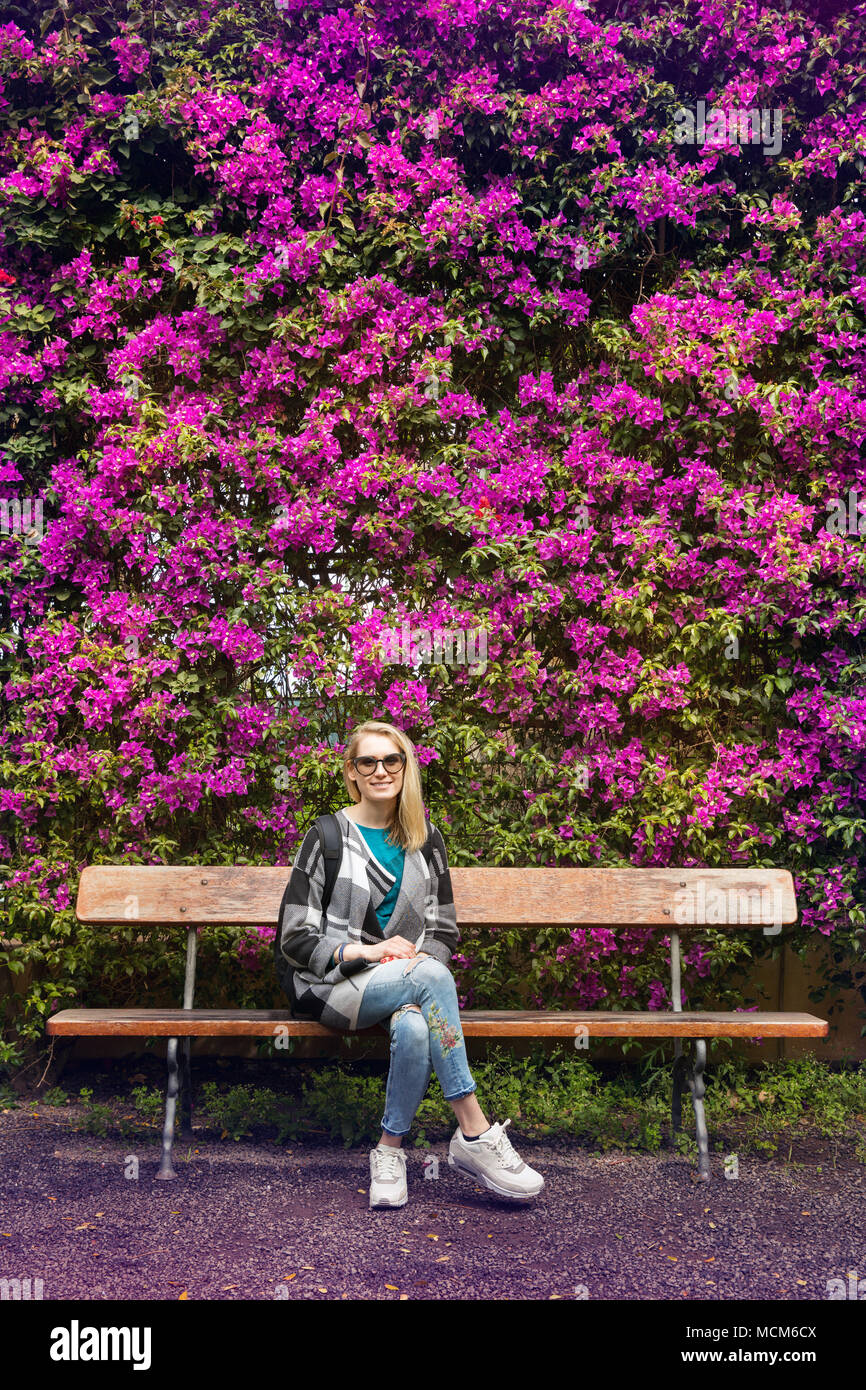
<point x="476" y="1023"/>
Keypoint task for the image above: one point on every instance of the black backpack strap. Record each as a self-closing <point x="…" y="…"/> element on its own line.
<point x="427" y="847"/>
<point x="331" y="841"/>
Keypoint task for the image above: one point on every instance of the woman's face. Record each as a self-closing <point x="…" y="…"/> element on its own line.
<point x="380" y="786"/>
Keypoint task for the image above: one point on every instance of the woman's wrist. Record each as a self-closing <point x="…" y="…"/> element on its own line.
<point x="352" y="952"/>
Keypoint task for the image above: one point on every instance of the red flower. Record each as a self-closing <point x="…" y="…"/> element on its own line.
<point x="156" y="221"/>
<point x="6" y="278"/>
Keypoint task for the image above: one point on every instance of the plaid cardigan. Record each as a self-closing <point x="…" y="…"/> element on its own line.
<point x="306" y="938"/>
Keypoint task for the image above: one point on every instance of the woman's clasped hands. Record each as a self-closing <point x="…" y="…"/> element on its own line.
<point x="395" y="948"/>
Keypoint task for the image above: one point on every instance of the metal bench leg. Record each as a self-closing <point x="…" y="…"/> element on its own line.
<point x="695" y="1081"/>
<point x="185" y="1090"/>
<point x="679" y="1082"/>
<point x="165" y="1169"/>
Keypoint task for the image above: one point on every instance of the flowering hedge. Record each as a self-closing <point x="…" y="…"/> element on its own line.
<point x="321" y="323"/>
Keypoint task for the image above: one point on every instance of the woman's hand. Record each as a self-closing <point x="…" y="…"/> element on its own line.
<point x="395" y="946"/>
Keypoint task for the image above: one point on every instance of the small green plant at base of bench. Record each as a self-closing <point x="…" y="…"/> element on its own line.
<point x="97" y="1117"/>
<point x="8" y="1097"/>
<point x="55" y="1096"/>
<point x="149" y="1104"/>
<point x="241" y="1107"/>
<point x="349" y="1106"/>
<point x="685" y="1145"/>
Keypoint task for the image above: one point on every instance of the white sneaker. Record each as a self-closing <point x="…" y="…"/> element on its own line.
<point x="492" y="1160"/>
<point x="388" y="1177"/>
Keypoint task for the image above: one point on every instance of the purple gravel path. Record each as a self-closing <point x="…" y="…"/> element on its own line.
<point x="253" y="1221"/>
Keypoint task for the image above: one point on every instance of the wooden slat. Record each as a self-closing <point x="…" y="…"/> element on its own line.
<point x="476" y="1023"/>
<point x="156" y="895"/>
<point x="620" y="897"/>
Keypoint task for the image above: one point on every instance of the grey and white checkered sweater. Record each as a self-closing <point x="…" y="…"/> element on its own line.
<point x="423" y="914"/>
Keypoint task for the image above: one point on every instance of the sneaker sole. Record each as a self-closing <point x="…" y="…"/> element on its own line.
<point x="488" y="1183"/>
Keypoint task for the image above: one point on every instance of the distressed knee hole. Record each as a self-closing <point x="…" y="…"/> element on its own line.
<point x="409" y="1030"/>
<point x="404" y="1009"/>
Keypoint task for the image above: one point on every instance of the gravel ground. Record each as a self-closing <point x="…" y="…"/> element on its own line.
<point x="256" y="1221"/>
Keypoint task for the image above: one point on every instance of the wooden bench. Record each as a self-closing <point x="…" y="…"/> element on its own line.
<point x="669" y="900"/>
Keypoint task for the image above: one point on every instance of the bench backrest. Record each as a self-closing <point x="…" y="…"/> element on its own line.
<point x="156" y="895"/>
<point x="668" y="899"/>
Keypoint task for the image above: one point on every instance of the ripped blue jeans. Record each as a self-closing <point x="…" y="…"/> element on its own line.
<point x="419" y="1041"/>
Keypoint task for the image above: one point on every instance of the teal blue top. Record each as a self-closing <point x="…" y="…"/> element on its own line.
<point x="391" y="857"/>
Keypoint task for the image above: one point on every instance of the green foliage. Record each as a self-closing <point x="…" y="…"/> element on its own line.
<point x="55" y="1095"/>
<point x="558" y="1093"/>
<point x="551" y="1094"/>
<point x="96" y="1117"/>
<point x="242" y="1107"/>
<point x="150" y="1105"/>
<point x="349" y="1107"/>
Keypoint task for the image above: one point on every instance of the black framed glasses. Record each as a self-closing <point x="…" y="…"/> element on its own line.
<point x="367" y="766"/>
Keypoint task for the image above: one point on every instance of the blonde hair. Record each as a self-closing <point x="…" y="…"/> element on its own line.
<point x="409" y="826"/>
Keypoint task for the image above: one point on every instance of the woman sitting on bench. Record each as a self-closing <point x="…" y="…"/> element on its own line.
<point x="380" y="949"/>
